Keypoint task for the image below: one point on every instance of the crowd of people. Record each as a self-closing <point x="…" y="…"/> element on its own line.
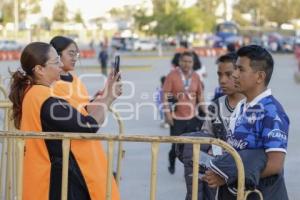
<point x="244" y="114"/>
<point x="47" y="96"/>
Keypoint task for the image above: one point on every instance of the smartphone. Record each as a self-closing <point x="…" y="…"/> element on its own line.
<point x="117" y="64"/>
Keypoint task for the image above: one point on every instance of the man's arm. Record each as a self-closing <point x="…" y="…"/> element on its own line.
<point x="200" y="96"/>
<point x="166" y="106"/>
<point x="202" y="102"/>
<point x="275" y="139"/>
<point x="167" y="110"/>
<point x="275" y="163"/>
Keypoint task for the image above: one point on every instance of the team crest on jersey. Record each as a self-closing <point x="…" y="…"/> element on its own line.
<point x="251" y="119"/>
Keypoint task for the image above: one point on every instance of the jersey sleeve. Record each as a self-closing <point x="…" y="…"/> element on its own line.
<point x="275" y="131"/>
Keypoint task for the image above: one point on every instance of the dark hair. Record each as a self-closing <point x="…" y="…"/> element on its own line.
<point x="260" y="59"/>
<point x="162" y="80"/>
<point x="60" y="43"/>
<point x="227" y="58"/>
<point x="231" y="47"/>
<point x="187" y="53"/>
<point x="35" y="53"/>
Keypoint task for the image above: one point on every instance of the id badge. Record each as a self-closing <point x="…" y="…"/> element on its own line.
<point x="216" y="150"/>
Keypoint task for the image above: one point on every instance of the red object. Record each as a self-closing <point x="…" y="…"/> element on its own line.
<point x="297" y="52"/>
<point x="205" y="52"/>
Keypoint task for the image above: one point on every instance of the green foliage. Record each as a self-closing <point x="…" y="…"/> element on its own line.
<point x="78" y="17"/>
<point x="7" y="12"/>
<point x="208" y="6"/>
<point x="171" y="18"/>
<point x="124" y="13"/>
<point x="60" y="11"/>
<point x="237" y="16"/>
<point x="27" y="7"/>
<point x="280" y="11"/>
<point x="33" y="6"/>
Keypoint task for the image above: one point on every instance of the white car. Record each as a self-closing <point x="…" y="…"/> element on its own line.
<point x="145" y="45"/>
<point x="9" y="45"/>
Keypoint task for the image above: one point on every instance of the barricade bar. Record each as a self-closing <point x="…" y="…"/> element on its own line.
<point x="138" y="138"/>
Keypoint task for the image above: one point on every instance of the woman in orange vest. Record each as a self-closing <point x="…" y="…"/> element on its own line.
<point x="70" y="86"/>
<point x="36" y="108"/>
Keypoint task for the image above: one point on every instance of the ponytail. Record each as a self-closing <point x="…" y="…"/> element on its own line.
<point x="35" y="53"/>
<point x="20" y="83"/>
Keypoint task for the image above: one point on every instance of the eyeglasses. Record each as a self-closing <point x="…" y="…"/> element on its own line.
<point x="73" y="54"/>
<point x="57" y="61"/>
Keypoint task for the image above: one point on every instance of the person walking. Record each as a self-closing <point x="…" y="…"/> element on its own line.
<point x="183" y="85"/>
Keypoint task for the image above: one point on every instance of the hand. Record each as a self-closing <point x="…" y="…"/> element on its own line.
<point x="113" y="87"/>
<point x="213" y="179"/>
<point x="169" y="118"/>
<point x="99" y="93"/>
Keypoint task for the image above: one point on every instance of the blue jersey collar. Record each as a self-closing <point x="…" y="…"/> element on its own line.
<point x="262" y="95"/>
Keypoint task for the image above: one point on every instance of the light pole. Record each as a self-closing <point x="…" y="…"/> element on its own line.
<point x="16" y="17"/>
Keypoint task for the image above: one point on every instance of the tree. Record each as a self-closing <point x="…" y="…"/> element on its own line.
<point x="7" y="14"/>
<point x="142" y="20"/>
<point x="27" y="7"/>
<point x="279" y="11"/>
<point x="208" y="6"/>
<point x="60" y="11"/>
<point x="170" y="18"/>
<point x="124" y="13"/>
<point x="256" y="8"/>
<point x="207" y="10"/>
<point x="165" y="18"/>
<point x="78" y="17"/>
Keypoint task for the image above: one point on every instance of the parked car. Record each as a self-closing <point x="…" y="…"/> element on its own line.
<point x="145" y="45"/>
<point x="9" y="45"/>
<point x="123" y="43"/>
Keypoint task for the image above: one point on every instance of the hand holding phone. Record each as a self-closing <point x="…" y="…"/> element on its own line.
<point x="117" y="64"/>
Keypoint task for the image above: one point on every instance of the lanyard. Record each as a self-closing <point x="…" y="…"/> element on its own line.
<point x="186" y="81"/>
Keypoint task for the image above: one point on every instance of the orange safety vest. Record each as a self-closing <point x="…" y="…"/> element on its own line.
<point x="72" y="91"/>
<point x="89" y="154"/>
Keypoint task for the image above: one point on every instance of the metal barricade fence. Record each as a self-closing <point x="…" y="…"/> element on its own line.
<point x="19" y="137"/>
<point x="13" y="152"/>
<point x="8" y="148"/>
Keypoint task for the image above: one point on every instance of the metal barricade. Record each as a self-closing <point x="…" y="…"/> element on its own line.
<point x="9" y="149"/>
<point x="121" y="151"/>
<point x="19" y="138"/>
<point x="13" y="152"/>
<point x="7" y="146"/>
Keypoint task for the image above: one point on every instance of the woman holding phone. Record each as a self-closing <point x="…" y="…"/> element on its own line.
<point x="36" y="108"/>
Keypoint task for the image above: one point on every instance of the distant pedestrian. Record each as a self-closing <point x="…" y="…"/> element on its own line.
<point x="159" y="102"/>
<point x="103" y="59"/>
<point x="185" y="88"/>
<point x="297" y="54"/>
